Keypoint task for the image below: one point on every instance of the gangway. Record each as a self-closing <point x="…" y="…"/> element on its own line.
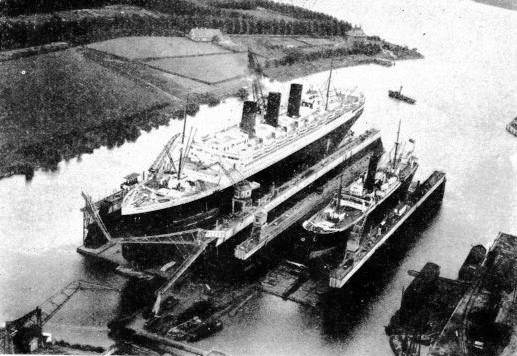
<point x="192" y="256"/>
<point x="190" y="245"/>
<point x="188" y="237"/>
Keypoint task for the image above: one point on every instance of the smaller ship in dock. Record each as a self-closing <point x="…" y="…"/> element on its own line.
<point x="371" y="190"/>
<point x="512" y="127"/>
<point x="399" y="96"/>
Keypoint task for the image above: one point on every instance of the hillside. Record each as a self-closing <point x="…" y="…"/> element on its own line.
<point x="123" y="68"/>
<point x="29" y="23"/>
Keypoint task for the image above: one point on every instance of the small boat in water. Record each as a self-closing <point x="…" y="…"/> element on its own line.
<point x="512" y="127"/>
<point x="398" y="95"/>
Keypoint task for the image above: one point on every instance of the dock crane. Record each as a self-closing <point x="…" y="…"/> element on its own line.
<point x="256" y="70"/>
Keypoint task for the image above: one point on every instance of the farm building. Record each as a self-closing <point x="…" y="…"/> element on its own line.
<point x="204" y="34"/>
<point x="356" y="32"/>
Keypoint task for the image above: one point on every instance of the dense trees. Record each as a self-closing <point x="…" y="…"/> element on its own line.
<point x="181" y="16"/>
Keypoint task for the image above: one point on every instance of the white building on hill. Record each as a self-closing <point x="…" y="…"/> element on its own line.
<point x="204" y="34"/>
<point x="356" y="32"/>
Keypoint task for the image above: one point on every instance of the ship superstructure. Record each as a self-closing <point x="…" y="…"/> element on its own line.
<point x="217" y="161"/>
<point x="369" y="191"/>
<point x="195" y="179"/>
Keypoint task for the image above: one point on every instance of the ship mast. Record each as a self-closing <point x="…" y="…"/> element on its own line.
<point x="180" y="164"/>
<point x="328" y="85"/>
<point x="338" y="208"/>
<point x="396" y="148"/>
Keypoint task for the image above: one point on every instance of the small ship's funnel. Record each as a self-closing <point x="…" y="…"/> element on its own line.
<point x="273" y="109"/>
<point x="295" y="98"/>
<point x="370" y="175"/>
<point x="248" y="117"/>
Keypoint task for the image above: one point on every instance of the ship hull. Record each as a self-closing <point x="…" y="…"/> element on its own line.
<point x="204" y="212"/>
<point x="317" y="245"/>
<point x="214" y="256"/>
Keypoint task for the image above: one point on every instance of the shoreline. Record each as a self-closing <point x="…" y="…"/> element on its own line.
<point x="130" y="127"/>
<point x="302" y="69"/>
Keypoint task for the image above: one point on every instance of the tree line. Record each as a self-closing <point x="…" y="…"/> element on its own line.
<point x="17" y="34"/>
<point x="296" y="55"/>
<point x="179" y="17"/>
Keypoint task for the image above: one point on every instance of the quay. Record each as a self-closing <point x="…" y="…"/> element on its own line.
<point x="484" y="321"/>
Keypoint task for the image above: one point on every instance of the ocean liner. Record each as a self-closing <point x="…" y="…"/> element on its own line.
<point x="192" y="181"/>
<point x="379" y="185"/>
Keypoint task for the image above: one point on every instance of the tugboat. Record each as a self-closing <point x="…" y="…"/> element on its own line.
<point x="512" y="127"/>
<point x="398" y="95"/>
<point x="368" y="192"/>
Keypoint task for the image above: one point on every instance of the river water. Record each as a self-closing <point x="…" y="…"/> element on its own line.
<point x="466" y="93"/>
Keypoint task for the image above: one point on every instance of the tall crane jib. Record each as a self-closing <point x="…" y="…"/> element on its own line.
<point x="256" y="71"/>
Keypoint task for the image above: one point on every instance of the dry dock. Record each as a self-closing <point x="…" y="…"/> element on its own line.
<point x="192" y="243"/>
<point x="360" y="248"/>
<point x="290" y="282"/>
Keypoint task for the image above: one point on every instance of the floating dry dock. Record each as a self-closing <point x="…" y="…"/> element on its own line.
<point x="360" y="248"/>
<point x="291" y="282"/>
<point x="192" y="243"/>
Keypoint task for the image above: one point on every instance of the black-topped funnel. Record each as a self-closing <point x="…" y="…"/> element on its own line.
<point x="295" y="99"/>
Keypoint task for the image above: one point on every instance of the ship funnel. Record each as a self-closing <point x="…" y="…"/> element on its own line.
<point x="295" y="98"/>
<point x="273" y="109"/>
<point x="248" y="117"/>
<point x="370" y="175"/>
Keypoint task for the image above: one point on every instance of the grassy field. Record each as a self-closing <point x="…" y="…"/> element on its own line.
<point x="58" y="94"/>
<point x="313" y="41"/>
<point x="57" y="105"/>
<point x="207" y="69"/>
<point x="285" y="42"/>
<point x="155" y="47"/>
